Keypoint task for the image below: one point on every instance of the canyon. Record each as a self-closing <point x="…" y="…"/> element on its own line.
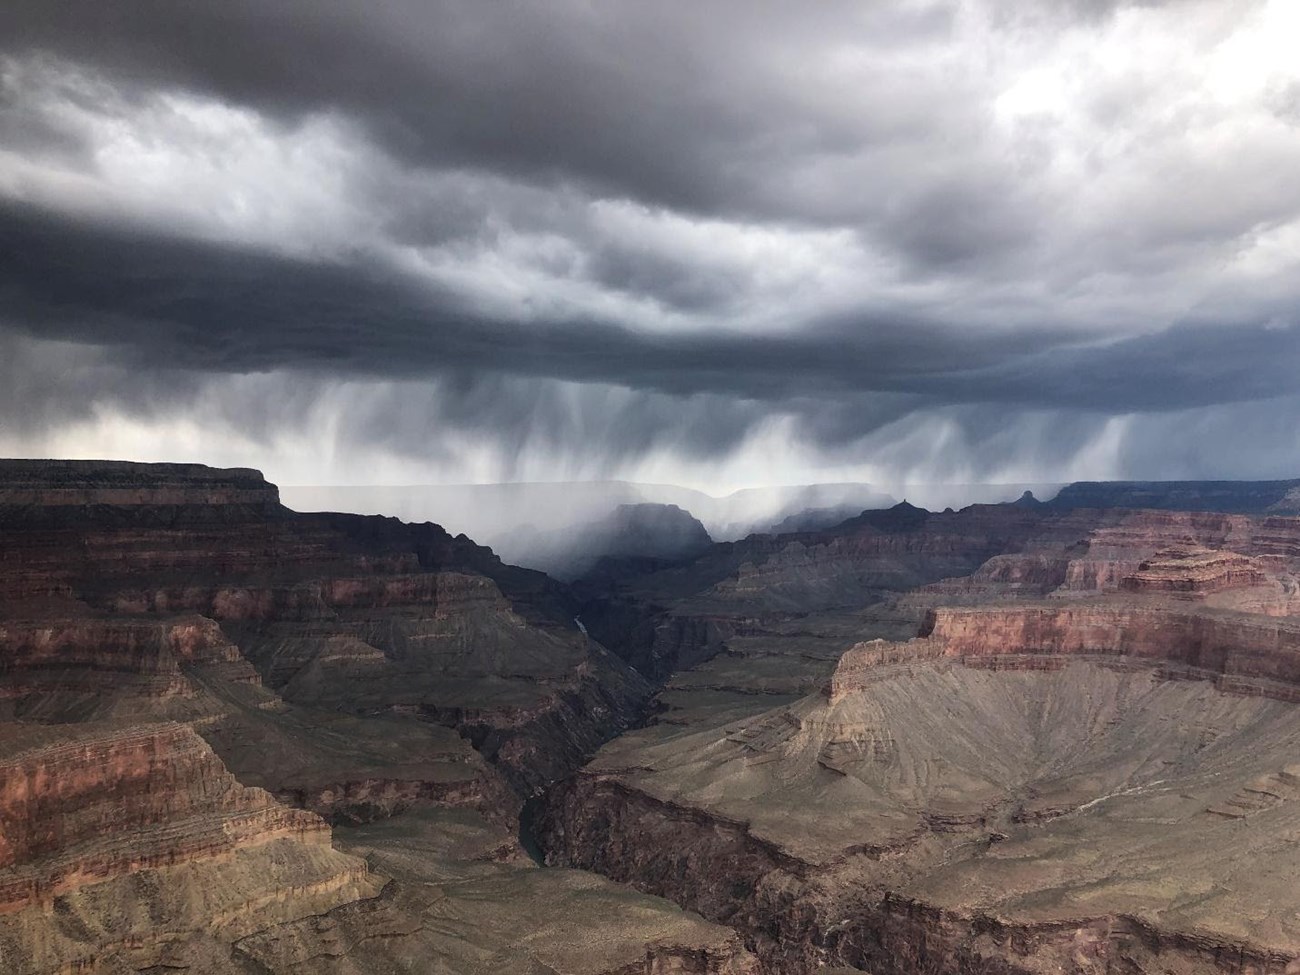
<point x="238" y="739"/>
<point x="1015" y="738"/>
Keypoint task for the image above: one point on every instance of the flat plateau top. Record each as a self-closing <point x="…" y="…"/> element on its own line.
<point x="71" y="473"/>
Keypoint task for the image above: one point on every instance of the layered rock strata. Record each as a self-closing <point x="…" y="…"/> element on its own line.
<point x="195" y="681"/>
<point x="350" y="613"/>
<point x="1239" y="651"/>
<point x="80" y="804"/>
<point x="35" y="484"/>
<point x="449" y="911"/>
<point x="91" y="809"/>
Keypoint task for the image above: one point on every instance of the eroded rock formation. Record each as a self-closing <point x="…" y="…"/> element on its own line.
<point x="195" y="683"/>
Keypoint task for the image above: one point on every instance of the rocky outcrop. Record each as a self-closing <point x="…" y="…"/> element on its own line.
<point x="1195" y="572"/>
<point x="454" y="905"/>
<point x="70" y="669"/>
<point x="1025" y="574"/>
<point x="1225" y="561"/>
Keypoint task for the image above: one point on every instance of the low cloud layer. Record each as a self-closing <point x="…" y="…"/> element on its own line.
<point x="736" y="244"/>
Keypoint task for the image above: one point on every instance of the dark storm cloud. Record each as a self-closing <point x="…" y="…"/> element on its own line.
<point x="725" y="108"/>
<point x="187" y="305"/>
<point x="179" y="304"/>
<point x="614" y="227"/>
<point x="720" y="108"/>
<point x="662" y="104"/>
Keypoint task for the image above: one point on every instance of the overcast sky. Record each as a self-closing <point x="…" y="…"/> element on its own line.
<point x="711" y="243"/>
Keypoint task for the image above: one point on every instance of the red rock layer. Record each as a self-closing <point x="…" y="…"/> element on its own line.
<point x="81" y="647"/>
<point x="1246" y="653"/>
<point x="60" y="670"/>
<point x="84" y="804"/>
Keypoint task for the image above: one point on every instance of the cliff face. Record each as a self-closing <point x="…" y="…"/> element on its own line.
<point x="1195" y="572"/>
<point x="481" y="915"/>
<point x="72" y="666"/>
<point x="96" y="812"/>
<point x="806" y="919"/>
